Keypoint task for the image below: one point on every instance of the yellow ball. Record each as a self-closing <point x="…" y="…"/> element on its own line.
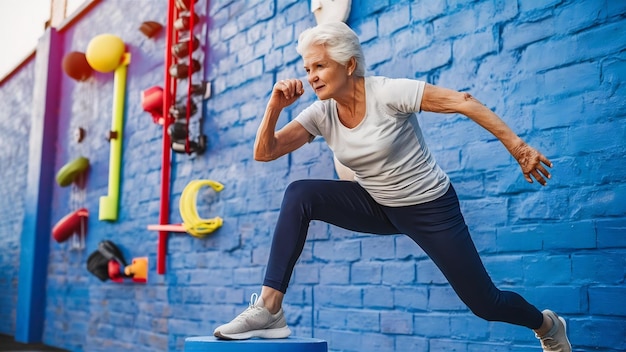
<point x="105" y="52"/>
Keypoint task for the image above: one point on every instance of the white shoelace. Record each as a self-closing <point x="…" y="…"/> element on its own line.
<point x="253" y="299"/>
<point x="252" y="309"/>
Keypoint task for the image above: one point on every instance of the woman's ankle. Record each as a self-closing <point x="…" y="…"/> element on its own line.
<point x="546" y="326"/>
<point x="272" y="299"/>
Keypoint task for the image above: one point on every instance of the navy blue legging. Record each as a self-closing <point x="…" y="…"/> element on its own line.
<point x="437" y="227"/>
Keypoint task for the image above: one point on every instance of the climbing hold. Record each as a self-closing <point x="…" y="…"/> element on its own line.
<point x="70" y="171"/>
<point x="105" y="52"/>
<point x="76" y="66"/>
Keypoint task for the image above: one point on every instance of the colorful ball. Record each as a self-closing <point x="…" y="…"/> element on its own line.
<point x="76" y="66"/>
<point x="105" y="52"/>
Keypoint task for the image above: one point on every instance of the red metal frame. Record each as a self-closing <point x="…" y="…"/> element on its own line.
<point x="168" y="97"/>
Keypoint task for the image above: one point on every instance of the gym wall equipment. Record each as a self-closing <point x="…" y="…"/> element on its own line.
<point x="76" y="66"/>
<point x="108" y="263"/>
<point x="192" y="223"/>
<point x="152" y="102"/>
<point x="183" y="11"/>
<point x="182" y="71"/>
<point x="70" y="224"/>
<point x="181" y="146"/>
<point x="183" y="47"/>
<point x="98" y="262"/>
<point x="150" y="28"/>
<point x="109" y="204"/>
<point x="183" y="23"/>
<point x="71" y="171"/>
<point x="105" y="53"/>
<point x="138" y="270"/>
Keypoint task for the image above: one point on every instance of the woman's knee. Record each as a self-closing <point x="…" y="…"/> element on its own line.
<point x="485" y="304"/>
<point x="298" y="188"/>
<point x="487" y="312"/>
<point x="495" y="306"/>
<point x="298" y="192"/>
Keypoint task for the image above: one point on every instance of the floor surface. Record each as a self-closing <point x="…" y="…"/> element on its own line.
<point x="8" y="344"/>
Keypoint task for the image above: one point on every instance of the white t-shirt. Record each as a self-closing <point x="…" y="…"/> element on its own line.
<point x="386" y="151"/>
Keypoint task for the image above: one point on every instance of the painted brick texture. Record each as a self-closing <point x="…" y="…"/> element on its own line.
<point x="553" y="70"/>
<point x="16" y="96"/>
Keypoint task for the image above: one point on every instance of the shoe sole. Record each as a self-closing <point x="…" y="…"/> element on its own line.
<point x="279" y="333"/>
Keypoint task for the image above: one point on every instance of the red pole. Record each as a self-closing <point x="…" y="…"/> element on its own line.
<point x="170" y="93"/>
<point x="190" y="71"/>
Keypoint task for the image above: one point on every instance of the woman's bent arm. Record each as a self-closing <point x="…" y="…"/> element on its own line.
<point x="269" y="144"/>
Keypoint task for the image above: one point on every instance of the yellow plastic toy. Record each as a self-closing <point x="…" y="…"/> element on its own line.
<point x="192" y="222"/>
<point x="138" y="270"/>
<point x="105" y="52"/>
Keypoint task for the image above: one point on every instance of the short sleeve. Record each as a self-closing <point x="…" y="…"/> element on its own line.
<point x="312" y="117"/>
<point x="402" y="95"/>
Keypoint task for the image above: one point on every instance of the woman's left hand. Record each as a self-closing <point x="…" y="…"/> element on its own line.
<point x="532" y="163"/>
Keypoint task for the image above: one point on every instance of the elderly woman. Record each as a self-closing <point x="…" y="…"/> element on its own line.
<point x="395" y="185"/>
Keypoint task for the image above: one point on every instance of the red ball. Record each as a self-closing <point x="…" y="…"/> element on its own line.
<point x="76" y="66"/>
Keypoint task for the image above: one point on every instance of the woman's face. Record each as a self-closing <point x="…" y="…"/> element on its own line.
<point x="327" y="77"/>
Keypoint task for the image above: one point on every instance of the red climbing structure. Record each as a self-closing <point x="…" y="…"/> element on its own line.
<point x="179" y="65"/>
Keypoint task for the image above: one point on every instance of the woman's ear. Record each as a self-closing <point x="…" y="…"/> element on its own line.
<point x="351" y="66"/>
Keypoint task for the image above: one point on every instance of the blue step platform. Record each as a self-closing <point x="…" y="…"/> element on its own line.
<point x="290" y="344"/>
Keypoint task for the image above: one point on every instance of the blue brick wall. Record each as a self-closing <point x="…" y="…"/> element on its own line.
<point x="554" y="71"/>
<point x="16" y="95"/>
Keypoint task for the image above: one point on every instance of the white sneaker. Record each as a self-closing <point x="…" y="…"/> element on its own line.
<point x="256" y="321"/>
<point x="556" y="339"/>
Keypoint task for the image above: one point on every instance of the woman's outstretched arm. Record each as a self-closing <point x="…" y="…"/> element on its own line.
<point x="442" y="100"/>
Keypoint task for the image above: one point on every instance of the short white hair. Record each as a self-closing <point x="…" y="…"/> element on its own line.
<point x="340" y="41"/>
